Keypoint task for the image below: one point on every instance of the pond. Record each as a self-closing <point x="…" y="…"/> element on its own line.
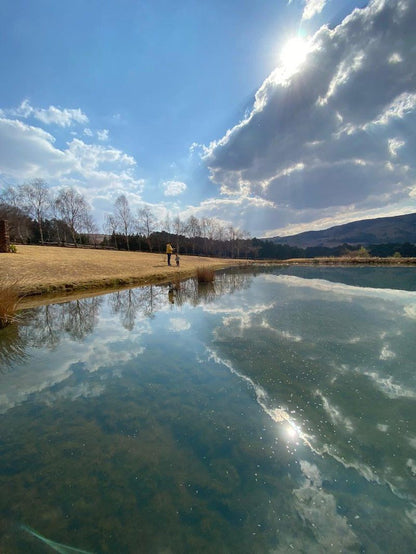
<point x="273" y="411"/>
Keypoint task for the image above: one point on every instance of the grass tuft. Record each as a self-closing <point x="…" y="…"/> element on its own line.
<point x="8" y="303"/>
<point x="205" y="274"/>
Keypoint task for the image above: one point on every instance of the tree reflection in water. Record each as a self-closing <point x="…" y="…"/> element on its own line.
<point x="260" y="422"/>
<point x="46" y="325"/>
<point x="12" y="347"/>
<point x="227" y="282"/>
<point x="130" y="303"/>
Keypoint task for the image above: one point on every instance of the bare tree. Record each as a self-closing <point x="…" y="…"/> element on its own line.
<point x="36" y="201"/>
<point x="208" y="230"/>
<point x="80" y="316"/>
<point x="143" y="300"/>
<point x="10" y="209"/>
<point x="242" y="240"/>
<point x="178" y="229"/>
<point x="193" y="230"/>
<point x="167" y="225"/>
<point x="110" y="227"/>
<point x="124" y="217"/>
<point x="73" y="209"/>
<point x="219" y="235"/>
<point x="58" y="225"/>
<point x="231" y="236"/>
<point x="10" y="196"/>
<point x="147" y="224"/>
<point x="92" y="230"/>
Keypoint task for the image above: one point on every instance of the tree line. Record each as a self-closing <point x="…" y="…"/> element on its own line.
<point x="36" y="216"/>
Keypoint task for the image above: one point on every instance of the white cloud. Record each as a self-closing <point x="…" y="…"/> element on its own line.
<point x="173" y="188"/>
<point x="91" y="156"/>
<point x="239" y="318"/>
<point x="337" y="138"/>
<point x="178" y="324"/>
<point x="103" y="135"/>
<point x="240" y="211"/>
<point x="394" y="145"/>
<point x="96" y="170"/>
<point x="286" y="335"/>
<point x="386" y="353"/>
<point x="64" y="118"/>
<point x="389" y="387"/>
<point x="411" y="464"/>
<point x="52" y="115"/>
<point x="313" y="7"/>
<point x="318" y="510"/>
<point x="410" y="311"/>
<point x="404" y="104"/>
<point x="382" y="427"/>
<point x="29" y="151"/>
<point x="343" y="292"/>
<point x="395" y="58"/>
<point x="335" y="415"/>
<point x="73" y="392"/>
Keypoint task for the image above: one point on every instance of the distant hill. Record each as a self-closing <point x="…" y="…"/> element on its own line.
<point x="398" y="229"/>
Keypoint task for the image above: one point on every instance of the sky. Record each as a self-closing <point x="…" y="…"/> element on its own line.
<point x="274" y="116"/>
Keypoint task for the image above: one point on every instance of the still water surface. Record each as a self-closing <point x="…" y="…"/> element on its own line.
<point x="273" y="412"/>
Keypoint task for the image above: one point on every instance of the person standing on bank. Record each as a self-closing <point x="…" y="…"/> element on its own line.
<point x="177" y="259"/>
<point x="169" y="251"/>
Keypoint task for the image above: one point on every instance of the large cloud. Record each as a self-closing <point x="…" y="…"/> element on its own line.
<point x="337" y="136"/>
<point x="24" y="149"/>
<point x="100" y="172"/>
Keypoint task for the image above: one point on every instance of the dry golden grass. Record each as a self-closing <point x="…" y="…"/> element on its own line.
<point x="205" y="274"/>
<point x="8" y="302"/>
<point x="48" y="269"/>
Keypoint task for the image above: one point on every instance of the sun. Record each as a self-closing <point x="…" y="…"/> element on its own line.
<point x="293" y="54"/>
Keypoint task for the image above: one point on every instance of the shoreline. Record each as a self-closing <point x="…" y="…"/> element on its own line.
<point x="393" y="262"/>
<point x="41" y="274"/>
<point x="59" y="294"/>
<point x="45" y="274"/>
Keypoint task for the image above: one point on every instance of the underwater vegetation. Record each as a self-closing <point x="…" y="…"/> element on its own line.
<point x="265" y="412"/>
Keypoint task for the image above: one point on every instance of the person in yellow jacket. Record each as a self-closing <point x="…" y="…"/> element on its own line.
<point x="169" y="251"/>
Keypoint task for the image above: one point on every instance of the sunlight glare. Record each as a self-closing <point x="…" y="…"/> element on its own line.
<point x="293" y="54"/>
<point x="291" y="432"/>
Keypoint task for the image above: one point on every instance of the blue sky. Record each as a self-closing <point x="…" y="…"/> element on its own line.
<point x="201" y="107"/>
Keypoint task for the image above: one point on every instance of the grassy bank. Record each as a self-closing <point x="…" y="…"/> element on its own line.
<point x="45" y="270"/>
<point x="8" y="302"/>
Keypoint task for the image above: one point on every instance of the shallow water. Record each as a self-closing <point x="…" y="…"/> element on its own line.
<point x="272" y="412"/>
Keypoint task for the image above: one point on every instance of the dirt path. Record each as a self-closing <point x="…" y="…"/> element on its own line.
<point x="47" y="270"/>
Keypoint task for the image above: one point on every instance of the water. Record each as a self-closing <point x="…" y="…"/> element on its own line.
<point x="273" y="412"/>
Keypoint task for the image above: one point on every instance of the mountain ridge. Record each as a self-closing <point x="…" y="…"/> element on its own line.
<point x="393" y="229"/>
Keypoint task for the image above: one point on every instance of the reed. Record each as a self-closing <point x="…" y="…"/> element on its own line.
<point x="177" y="281"/>
<point x="205" y="274"/>
<point x="8" y="302"/>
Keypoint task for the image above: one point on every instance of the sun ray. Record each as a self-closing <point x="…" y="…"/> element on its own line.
<point x="293" y="54"/>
